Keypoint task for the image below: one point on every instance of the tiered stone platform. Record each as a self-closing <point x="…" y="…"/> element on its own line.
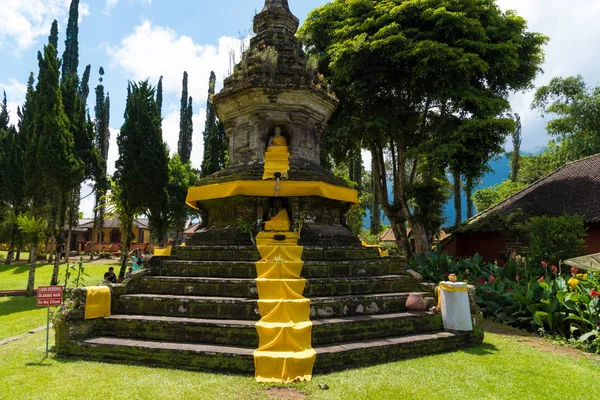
<point x="198" y="309"/>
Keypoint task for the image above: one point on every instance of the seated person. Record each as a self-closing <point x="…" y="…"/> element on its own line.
<point x="129" y="273"/>
<point x="110" y="276"/>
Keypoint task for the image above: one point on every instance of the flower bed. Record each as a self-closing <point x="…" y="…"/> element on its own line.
<point x="548" y="298"/>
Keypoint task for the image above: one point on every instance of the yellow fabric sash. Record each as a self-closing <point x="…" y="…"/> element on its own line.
<point x="448" y="288"/>
<point x="267" y="189"/>
<point x="380" y="249"/>
<point x="97" y="302"/>
<point x="284" y="354"/>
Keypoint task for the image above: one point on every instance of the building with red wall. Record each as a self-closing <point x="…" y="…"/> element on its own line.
<point x="573" y="189"/>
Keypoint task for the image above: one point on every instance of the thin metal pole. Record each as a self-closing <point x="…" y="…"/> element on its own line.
<point x="47" y="330"/>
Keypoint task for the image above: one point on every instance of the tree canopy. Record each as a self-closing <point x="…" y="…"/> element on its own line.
<point x="425" y="85"/>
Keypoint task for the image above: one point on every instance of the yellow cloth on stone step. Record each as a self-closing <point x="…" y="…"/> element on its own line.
<point x="280" y="222"/>
<point x="97" y="302"/>
<point x="162" y="252"/>
<point x="285" y="331"/>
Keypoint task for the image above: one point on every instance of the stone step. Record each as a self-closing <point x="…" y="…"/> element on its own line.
<point x="246" y="308"/>
<point x="311" y="269"/>
<point x="234" y="287"/>
<point x="250" y="253"/>
<point x="241" y="359"/>
<point x="243" y="332"/>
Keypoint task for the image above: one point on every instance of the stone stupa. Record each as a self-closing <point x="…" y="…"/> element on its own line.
<point x="273" y="233"/>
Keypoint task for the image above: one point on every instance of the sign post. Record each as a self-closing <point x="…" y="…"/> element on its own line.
<point x="49" y="296"/>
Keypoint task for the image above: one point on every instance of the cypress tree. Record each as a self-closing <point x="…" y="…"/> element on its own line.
<point x="215" y="141"/>
<point x="53" y="38"/>
<point x="159" y="96"/>
<point x="85" y="84"/>
<point x="4" y="118"/>
<point x="70" y="61"/>
<point x="101" y="142"/>
<point x="143" y="157"/>
<point x="54" y="168"/>
<point x="186" y="128"/>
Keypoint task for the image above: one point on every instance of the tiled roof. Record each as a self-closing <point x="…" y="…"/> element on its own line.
<point x="387" y="236"/>
<point x="572" y="189"/>
<point x="140" y="223"/>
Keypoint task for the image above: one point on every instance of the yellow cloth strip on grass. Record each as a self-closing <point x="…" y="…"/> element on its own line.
<point x="285" y="353"/>
<point x="267" y="189"/>
<point x="97" y="302"/>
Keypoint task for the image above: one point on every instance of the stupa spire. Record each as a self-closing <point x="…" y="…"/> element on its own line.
<point x="269" y="4"/>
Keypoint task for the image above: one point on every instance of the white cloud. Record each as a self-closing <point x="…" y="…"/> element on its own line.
<point x="152" y="51"/>
<point x="110" y="4"/>
<point x="574" y="43"/>
<point x="15" y="96"/>
<point x="170" y="128"/>
<point x="24" y="21"/>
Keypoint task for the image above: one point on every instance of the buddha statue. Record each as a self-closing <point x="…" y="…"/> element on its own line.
<point x="277" y="139"/>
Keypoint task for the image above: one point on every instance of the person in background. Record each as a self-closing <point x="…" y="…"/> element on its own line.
<point x="129" y="273"/>
<point x="110" y="276"/>
<point x="136" y="260"/>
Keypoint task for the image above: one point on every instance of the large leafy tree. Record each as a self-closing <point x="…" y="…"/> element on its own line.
<point x="413" y="75"/>
<point x="186" y="127"/>
<point x="181" y="178"/>
<point x="143" y="158"/>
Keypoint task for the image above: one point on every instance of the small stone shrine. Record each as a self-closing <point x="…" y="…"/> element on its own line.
<point x="273" y="282"/>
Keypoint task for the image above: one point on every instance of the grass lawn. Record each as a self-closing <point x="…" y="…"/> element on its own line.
<point x="14" y="277"/>
<point x="18" y="315"/>
<point x="503" y="367"/>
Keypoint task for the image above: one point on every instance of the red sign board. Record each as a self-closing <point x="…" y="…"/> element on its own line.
<point x="49" y="296"/>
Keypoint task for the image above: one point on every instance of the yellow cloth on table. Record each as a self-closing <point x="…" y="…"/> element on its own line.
<point x="162" y="252"/>
<point x="267" y="189"/>
<point x="280" y="222"/>
<point x="97" y="302"/>
<point x="285" y="353"/>
<point x="448" y="288"/>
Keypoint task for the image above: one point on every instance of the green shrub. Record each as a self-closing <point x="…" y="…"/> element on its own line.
<point x="555" y="239"/>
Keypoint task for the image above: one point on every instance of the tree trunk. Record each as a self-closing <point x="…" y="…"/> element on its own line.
<point x="124" y="258"/>
<point x="422" y="245"/>
<point x="33" y="261"/>
<point x="60" y="236"/>
<point x="469" y="194"/>
<point x="18" y="256"/>
<point x="11" y="250"/>
<point x="457" y="198"/>
<point x="68" y="243"/>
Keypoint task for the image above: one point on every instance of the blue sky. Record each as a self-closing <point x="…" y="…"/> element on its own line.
<point x="138" y="39"/>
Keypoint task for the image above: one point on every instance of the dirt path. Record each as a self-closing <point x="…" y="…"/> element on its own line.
<point x="540" y="343"/>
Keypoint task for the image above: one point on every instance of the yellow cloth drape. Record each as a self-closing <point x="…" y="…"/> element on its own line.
<point x="280" y="222"/>
<point x="97" y="302"/>
<point x="162" y="252"/>
<point x="380" y="249"/>
<point x="284" y="354"/>
<point x="267" y="189"/>
<point x="448" y="288"/>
